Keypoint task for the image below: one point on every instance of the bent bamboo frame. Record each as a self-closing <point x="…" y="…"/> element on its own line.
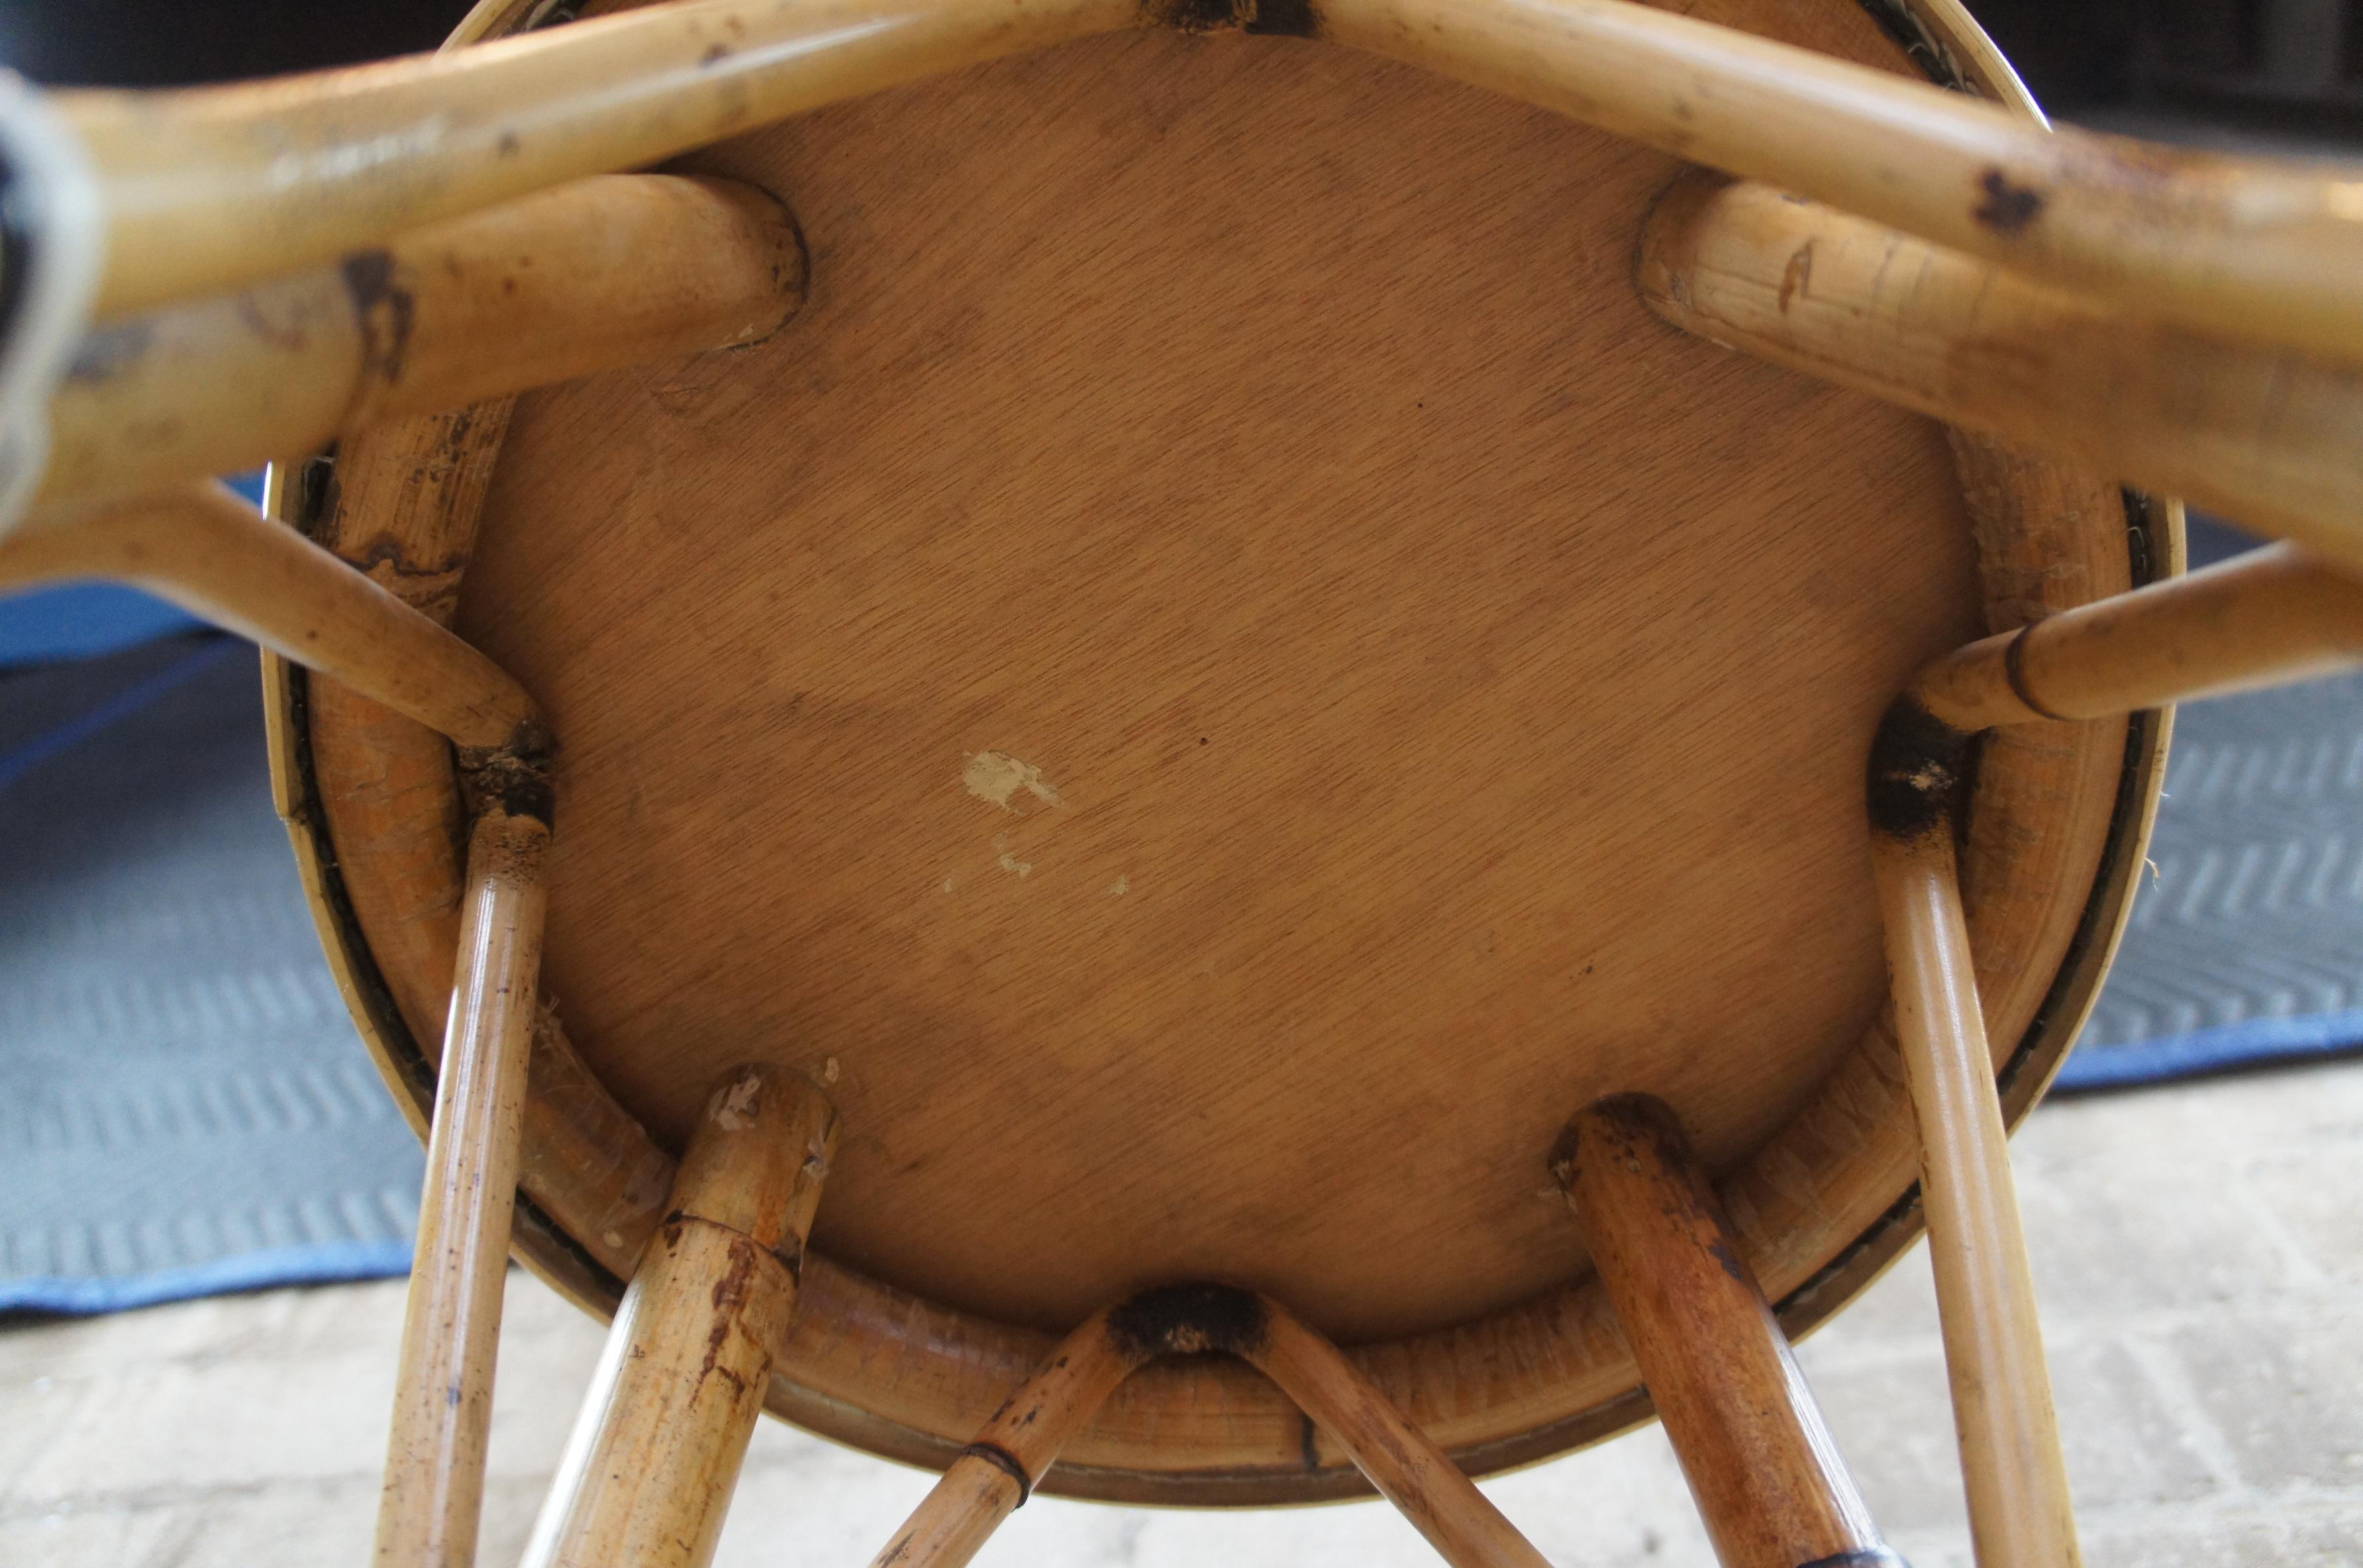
<point x="206" y="190"/>
<point x="995" y="1473"/>
<point x="443" y="1389"/>
<point x="612" y="270"/>
<point x="2267" y="436"/>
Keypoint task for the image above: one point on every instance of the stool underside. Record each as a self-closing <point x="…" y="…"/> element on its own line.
<point x="1220" y="678"/>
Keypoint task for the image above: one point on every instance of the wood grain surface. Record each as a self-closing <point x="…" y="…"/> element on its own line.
<point x="1228" y="646"/>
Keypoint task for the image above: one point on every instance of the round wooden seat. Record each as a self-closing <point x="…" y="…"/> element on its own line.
<point x="1222" y="677"/>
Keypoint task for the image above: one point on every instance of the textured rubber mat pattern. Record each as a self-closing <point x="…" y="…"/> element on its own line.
<point x="2246" y="940"/>
<point x="184" y="1106"/>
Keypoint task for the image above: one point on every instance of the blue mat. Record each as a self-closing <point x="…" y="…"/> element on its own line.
<point x="184" y="1106"/>
<point x="2245" y="944"/>
<point x="82" y="620"/>
<point x="184" y="1110"/>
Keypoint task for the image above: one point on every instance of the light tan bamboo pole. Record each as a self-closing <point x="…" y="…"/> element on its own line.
<point x="443" y="1390"/>
<point x="2246" y="248"/>
<point x="212" y="188"/>
<point x="995" y="1474"/>
<point x="647" y="1476"/>
<point x="207" y="550"/>
<point x="1409" y="1470"/>
<point x="2275" y="613"/>
<point x="2272" y="615"/>
<point x="2270" y="437"/>
<point x="615" y="270"/>
<point x="1760" y="1459"/>
<point x="2021" y="1515"/>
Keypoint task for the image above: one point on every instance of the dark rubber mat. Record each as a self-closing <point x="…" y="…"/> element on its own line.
<point x="2245" y="944"/>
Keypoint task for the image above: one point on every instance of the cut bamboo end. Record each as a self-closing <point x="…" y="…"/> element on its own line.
<point x="443" y="1390"/>
<point x="2273" y="615"/>
<point x="204" y="548"/>
<point x="647" y="1476"/>
<point x="2019" y="1509"/>
<point x="2266" y="435"/>
<point x="1759" y="1458"/>
<point x="601" y="274"/>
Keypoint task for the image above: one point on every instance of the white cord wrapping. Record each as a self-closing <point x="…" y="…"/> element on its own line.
<point x="54" y="208"/>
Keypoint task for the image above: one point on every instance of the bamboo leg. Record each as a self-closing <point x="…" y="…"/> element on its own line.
<point x="2272" y="616"/>
<point x="2020" y="1512"/>
<point x="1409" y="1470"/>
<point x="443" y="1396"/>
<point x="1761" y="1462"/>
<point x="211" y="189"/>
<point x="206" y="190"/>
<point x="647" y="1476"/>
<point x="993" y="1476"/>
<point x="613" y="271"/>
<point x="2267" y="436"/>
<point x="2246" y="248"/>
<point x="207" y="550"/>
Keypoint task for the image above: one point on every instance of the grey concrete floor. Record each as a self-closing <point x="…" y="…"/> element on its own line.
<point x="2198" y="1258"/>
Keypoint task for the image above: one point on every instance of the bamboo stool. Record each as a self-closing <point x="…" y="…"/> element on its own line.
<point x="1222" y="732"/>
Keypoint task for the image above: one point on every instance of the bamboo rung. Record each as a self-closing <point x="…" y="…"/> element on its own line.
<point x="995" y="1475"/>
<point x="1409" y="1470"/>
<point x="2272" y="615"/>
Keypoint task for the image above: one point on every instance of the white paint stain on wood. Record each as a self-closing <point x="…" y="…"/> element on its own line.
<point x="734" y="1105"/>
<point x="998" y="778"/>
<point x="1009" y="862"/>
<point x="1123" y="886"/>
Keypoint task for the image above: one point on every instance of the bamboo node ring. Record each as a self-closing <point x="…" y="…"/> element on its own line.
<point x="1001" y="1459"/>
